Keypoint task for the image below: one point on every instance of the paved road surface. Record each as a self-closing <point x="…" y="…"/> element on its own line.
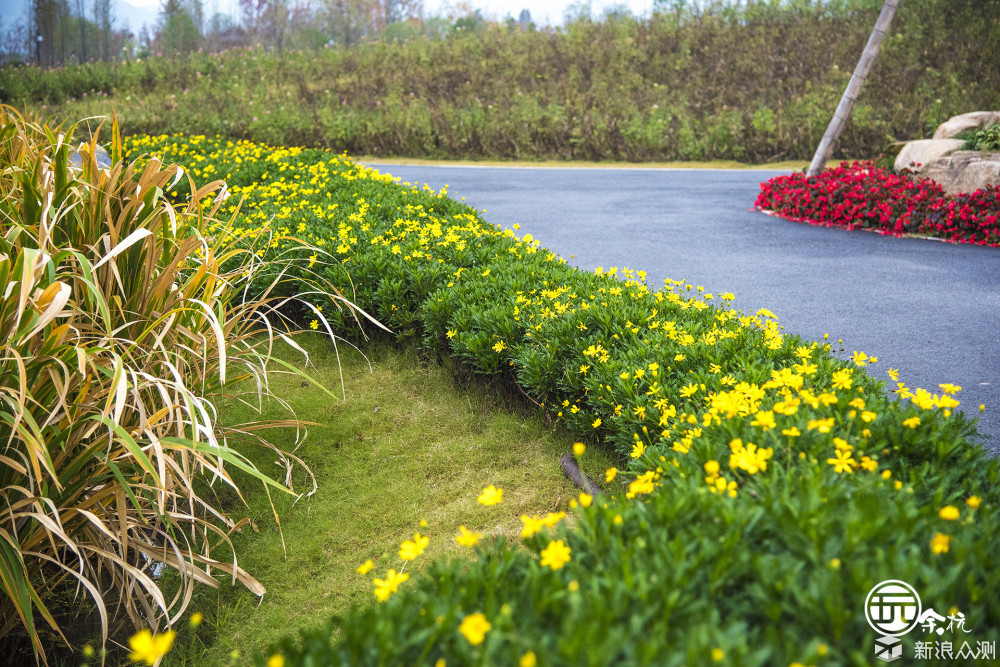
<point x="929" y="309"/>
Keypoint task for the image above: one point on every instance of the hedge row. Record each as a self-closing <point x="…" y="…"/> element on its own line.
<point x="754" y="82"/>
<point x="770" y="484"/>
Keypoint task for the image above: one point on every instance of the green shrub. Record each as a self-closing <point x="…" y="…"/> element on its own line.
<point x="771" y="483"/>
<point x="986" y="139"/>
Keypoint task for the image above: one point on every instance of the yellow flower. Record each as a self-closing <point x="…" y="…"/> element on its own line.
<point x="638" y="449"/>
<point x="821" y="425"/>
<point x="410" y="549"/>
<point x="748" y="457"/>
<point x="912" y="422"/>
<point x="474" y="627"/>
<point x="764" y="419"/>
<point x="609" y="474"/>
<point x="276" y="660"/>
<point x="365" y="567"/>
<point x="586" y="499"/>
<point x="973" y="502"/>
<point x="532" y="525"/>
<point x="842" y="379"/>
<point x="573" y="586"/>
<point x="893" y="374"/>
<point x="868" y="416"/>
<point x="618" y="520"/>
<point x="711" y="468"/>
<point x="490" y="496"/>
<point x="835" y="563"/>
<point x="386" y="587"/>
<point x="196" y="619"/>
<point x="528" y="660"/>
<point x="718" y="654"/>
<point x="555" y="555"/>
<point x="500" y="347"/>
<point x="791" y="432"/>
<point x="840" y="443"/>
<point x="452" y="333"/>
<point x="314" y="325"/>
<point x="859" y="358"/>
<point x="148" y="648"/>
<point x="467" y="538"/>
<point x="949" y="513"/>
<point x="940" y="543"/>
<point x="579" y="448"/>
<point x="843" y="463"/>
<point x="597" y="422"/>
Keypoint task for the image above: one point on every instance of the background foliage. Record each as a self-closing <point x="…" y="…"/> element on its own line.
<point x="755" y="83"/>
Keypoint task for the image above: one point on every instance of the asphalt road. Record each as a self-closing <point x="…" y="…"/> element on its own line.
<point x="927" y="308"/>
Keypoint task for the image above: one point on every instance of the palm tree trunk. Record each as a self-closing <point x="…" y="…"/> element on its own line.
<point x="853" y="88"/>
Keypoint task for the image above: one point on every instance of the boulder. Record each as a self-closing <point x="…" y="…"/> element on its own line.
<point x="964" y="171"/>
<point x="924" y="151"/>
<point x="975" y="120"/>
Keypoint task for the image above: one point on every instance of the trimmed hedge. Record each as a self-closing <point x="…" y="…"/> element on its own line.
<point x="748" y="81"/>
<point x="771" y="484"/>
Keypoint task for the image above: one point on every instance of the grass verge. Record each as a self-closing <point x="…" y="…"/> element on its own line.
<point x="410" y="443"/>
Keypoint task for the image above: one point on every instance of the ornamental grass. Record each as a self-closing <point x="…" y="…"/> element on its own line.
<point x="123" y="321"/>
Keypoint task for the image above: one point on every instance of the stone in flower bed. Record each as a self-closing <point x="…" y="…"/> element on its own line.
<point x="942" y="160"/>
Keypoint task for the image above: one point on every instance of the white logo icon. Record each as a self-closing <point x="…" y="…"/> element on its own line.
<point x="892" y="608"/>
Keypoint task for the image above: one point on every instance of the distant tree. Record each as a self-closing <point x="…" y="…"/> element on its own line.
<point x="176" y="29"/>
<point x="104" y="19"/>
<point x="276" y="19"/>
<point x="252" y="13"/>
<point x="524" y="20"/>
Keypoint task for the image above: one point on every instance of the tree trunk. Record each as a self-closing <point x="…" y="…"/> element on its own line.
<point x="853" y="88"/>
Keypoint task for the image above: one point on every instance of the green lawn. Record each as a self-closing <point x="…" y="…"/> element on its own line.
<point x="409" y="444"/>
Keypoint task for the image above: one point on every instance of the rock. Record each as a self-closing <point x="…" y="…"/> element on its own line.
<point x="964" y="171"/>
<point x="975" y="120"/>
<point x="924" y="151"/>
<point x="103" y="159"/>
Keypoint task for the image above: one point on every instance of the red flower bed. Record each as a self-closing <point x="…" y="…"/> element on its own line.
<point x="861" y="195"/>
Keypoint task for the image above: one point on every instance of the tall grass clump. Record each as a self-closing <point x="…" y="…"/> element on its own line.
<point x="121" y="320"/>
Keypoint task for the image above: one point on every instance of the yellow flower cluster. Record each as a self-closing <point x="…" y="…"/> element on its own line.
<point x="749" y="457"/>
<point x="534" y="524"/>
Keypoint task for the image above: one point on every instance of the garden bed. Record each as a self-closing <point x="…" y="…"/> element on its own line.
<point x="860" y="195"/>
<point x="770" y="485"/>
